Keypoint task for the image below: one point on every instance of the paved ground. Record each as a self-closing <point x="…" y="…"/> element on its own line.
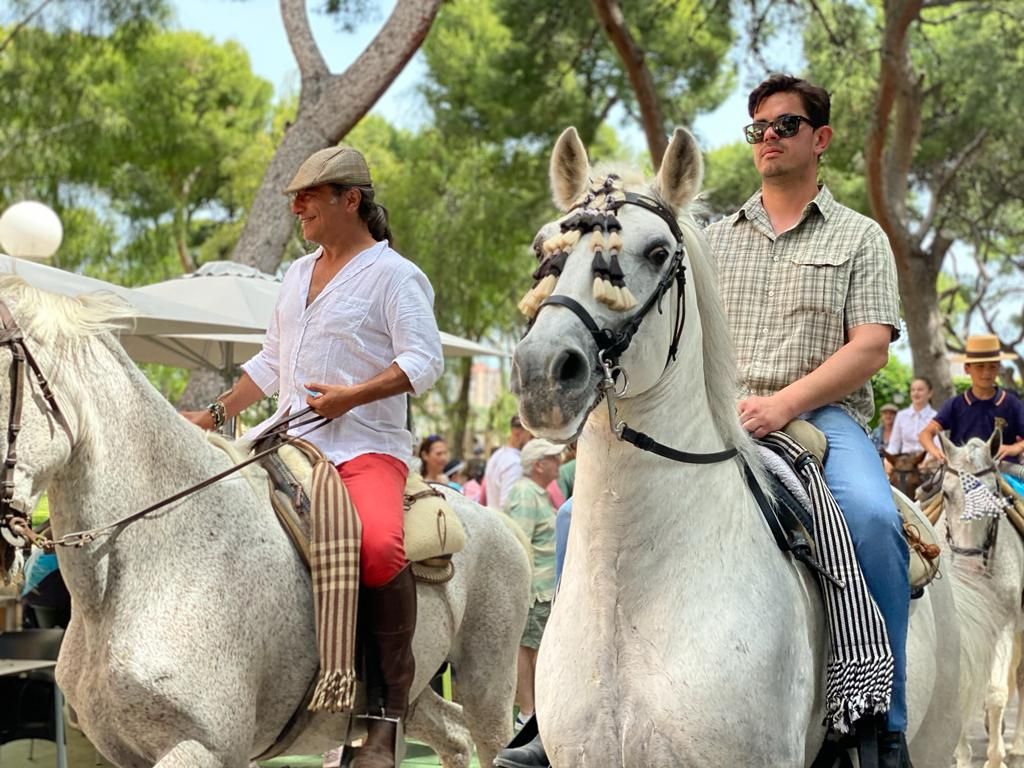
<point x="82" y="755"/>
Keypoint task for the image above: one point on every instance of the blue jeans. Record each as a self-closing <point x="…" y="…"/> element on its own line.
<point x="857" y="480"/>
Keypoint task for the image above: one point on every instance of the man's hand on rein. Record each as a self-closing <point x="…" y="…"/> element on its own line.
<point x="330" y="400"/>
<point x="761" y="415"/>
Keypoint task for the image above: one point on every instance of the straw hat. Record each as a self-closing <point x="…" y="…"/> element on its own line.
<point x="983" y="348"/>
<point x="334" y="165"/>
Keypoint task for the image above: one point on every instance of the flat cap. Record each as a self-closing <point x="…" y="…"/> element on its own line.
<point x="334" y="165"/>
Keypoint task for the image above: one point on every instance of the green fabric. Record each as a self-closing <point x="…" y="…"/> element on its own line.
<point x="529" y="505"/>
<point x="42" y="511"/>
<point x="567" y="477"/>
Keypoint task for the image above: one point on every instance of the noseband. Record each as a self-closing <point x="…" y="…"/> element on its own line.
<point x="14" y="522"/>
<point x="612" y="344"/>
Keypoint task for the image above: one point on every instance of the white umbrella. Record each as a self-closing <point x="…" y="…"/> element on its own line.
<point x="153" y="314"/>
<point x="243" y="292"/>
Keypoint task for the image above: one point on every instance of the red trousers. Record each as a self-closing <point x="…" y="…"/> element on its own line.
<point x="376" y="485"/>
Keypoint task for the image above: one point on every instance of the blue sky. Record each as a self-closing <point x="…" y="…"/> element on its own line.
<point x="256" y="24"/>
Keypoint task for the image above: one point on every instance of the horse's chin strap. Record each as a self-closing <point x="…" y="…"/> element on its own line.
<point x="612" y="344"/>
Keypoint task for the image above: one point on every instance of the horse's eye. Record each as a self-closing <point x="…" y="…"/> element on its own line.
<point x="657" y="253"/>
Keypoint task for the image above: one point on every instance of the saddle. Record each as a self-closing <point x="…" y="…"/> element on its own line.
<point x="433" y="532"/>
<point x="789" y="513"/>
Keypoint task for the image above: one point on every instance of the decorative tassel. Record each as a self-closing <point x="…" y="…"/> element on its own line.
<point x="615" y="242"/>
<point x="527" y="305"/>
<point x="600" y="290"/>
<point x="570" y="238"/>
<point x="628" y="299"/>
<point x="545" y="288"/>
<point x="615" y="273"/>
<point x="551" y="245"/>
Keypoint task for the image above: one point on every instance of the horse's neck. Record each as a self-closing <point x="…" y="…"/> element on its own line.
<point x="626" y="496"/>
<point x="131" y="450"/>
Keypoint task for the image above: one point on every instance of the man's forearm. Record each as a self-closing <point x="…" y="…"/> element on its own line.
<point x="242" y="394"/>
<point x="844" y="372"/>
<point x="389" y="382"/>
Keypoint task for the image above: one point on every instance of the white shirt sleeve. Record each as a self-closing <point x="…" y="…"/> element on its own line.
<point x="414" y="333"/>
<point x="264" y="367"/>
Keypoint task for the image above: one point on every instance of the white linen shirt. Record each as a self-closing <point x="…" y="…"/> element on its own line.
<point x="376" y="311"/>
<point x="907" y="427"/>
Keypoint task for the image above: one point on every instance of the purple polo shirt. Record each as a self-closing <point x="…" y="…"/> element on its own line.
<point x="967" y="416"/>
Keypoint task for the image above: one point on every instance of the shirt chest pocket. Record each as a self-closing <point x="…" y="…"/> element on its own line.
<point x="819" y="282"/>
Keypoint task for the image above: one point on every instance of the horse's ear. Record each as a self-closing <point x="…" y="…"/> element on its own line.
<point x="570" y="169"/>
<point x="889" y="457"/>
<point x="920" y="457"/>
<point x="995" y="442"/>
<point x="682" y="170"/>
<point x="948" y="448"/>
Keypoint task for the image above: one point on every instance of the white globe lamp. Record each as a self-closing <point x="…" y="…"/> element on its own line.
<point x="30" y="230"/>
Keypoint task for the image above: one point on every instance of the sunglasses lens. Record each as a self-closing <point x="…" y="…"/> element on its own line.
<point x="754" y="132"/>
<point x="786" y="126"/>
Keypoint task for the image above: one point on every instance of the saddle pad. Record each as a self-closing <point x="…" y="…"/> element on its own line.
<point x="921" y="537"/>
<point x="433" y="531"/>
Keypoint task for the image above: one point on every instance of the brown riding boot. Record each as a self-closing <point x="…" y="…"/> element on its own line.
<point x="392" y="611"/>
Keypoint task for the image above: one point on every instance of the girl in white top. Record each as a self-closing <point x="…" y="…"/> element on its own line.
<point x="910" y="421"/>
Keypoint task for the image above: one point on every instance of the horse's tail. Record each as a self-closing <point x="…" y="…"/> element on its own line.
<point x="978" y="614"/>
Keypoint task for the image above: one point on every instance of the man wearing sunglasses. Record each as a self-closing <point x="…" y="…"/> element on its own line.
<point x="809" y="287"/>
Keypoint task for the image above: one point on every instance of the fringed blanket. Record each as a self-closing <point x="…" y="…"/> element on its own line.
<point x="334" y="560"/>
<point x="859" y="674"/>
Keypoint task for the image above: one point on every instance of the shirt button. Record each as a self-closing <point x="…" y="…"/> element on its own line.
<point x="771" y="293"/>
<point x="764" y="330"/>
<point x="775" y="258"/>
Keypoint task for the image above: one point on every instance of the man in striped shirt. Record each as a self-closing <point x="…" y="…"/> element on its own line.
<point x="809" y="288"/>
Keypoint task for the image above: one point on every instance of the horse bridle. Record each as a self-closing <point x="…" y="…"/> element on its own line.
<point x="991" y="532"/>
<point x="14" y="522"/>
<point x="612" y="344"/>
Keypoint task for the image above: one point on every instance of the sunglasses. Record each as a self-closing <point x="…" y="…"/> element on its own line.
<point x="783" y="125"/>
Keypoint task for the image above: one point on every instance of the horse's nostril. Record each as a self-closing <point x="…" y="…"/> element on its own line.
<point x="569" y="367"/>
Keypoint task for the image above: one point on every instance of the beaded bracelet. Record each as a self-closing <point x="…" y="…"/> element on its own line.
<point x="219" y="413"/>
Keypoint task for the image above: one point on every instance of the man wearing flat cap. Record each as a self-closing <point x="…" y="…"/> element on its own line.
<point x="352" y="334"/>
<point x="976" y="412"/>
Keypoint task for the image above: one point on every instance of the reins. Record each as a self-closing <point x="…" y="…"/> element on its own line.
<point x="15" y="521"/>
<point x="612" y="344"/>
<point x="80" y="538"/>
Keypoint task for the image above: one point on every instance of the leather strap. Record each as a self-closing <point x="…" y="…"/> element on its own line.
<point x="648" y="443"/>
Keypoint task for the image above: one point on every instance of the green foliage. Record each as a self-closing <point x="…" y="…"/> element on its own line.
<point x="523" y="70"/>
<point x="146" y="150"/>
<point x="891" y="385"/>
<point x="729" y="179"/>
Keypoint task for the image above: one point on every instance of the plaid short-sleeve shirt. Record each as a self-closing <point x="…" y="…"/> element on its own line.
<point x="792" y="297"/>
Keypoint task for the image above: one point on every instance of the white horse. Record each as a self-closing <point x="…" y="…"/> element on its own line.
<point x="992" y="545"/>
<point x="192" y="642"/>
<point x="681" y="635"/>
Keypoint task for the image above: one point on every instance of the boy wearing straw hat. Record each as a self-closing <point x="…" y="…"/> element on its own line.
<point x="974" y="413"/>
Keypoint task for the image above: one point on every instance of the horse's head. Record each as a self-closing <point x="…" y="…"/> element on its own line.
<point x="42" y="341"/>
<point x="613" y="288"/>
<point x="972" y="500"/>
<point x="907" y="474"/>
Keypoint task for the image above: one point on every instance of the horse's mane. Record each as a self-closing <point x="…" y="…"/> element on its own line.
<point x="719" y="359"/>
<point x="54" y="320"/>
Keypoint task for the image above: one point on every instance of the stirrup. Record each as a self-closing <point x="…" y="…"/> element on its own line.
<point x="349" y="753"/>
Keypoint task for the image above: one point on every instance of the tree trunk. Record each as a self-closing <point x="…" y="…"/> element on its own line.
<point x="888" y="156"/>
<point x="610" y="15"/>
<point x="460" y="413"/>
<point x="329" y="106"/>
<point x="919" y="290"/>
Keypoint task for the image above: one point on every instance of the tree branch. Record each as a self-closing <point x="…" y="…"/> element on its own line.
<point x="939" y="192"/>
<point x="610" y="15"/>
<point x="377" y="66"/>
<point x="23" y="23"/>
<point x="300" y="37"/>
